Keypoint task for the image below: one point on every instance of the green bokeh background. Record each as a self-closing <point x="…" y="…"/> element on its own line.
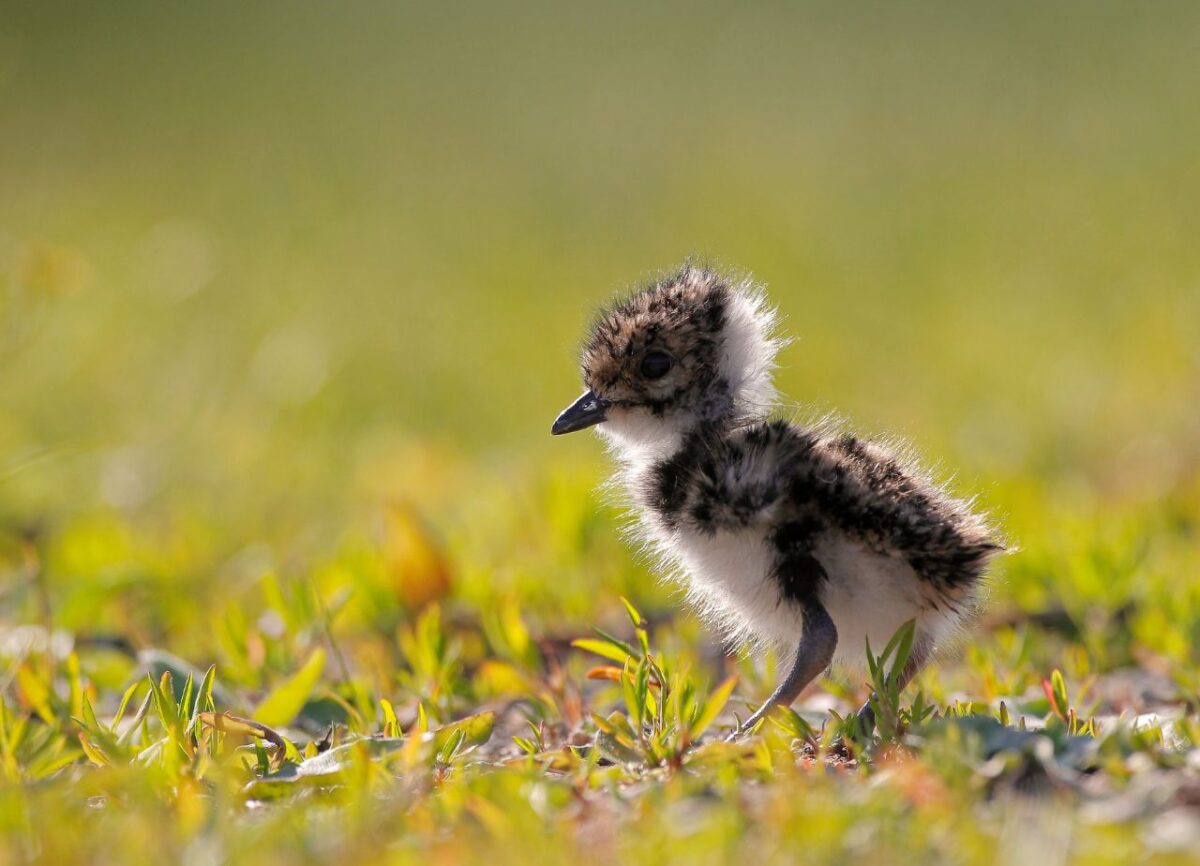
<point x="262" y="263"/>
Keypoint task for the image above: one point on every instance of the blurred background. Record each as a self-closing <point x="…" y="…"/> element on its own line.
<point x="297" y="289"/>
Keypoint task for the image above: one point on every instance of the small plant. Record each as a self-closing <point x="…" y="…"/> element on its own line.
<point x="1061" y="711"/>
<point x="886" y="719"/>
<point x="665" y="713"/>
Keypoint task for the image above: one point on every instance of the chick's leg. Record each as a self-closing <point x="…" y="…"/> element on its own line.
<point x="817" y="642"/>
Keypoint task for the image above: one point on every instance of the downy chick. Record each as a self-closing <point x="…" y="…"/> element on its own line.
<point x="798" y="536"/>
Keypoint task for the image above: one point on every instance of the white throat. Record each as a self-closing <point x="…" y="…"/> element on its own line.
<point x="639" y="438"/>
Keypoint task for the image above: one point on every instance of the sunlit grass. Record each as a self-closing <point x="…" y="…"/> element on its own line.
<point x="458" y="716"/>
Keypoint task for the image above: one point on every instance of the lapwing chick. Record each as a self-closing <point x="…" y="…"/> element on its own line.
<point x="799" y="536"/>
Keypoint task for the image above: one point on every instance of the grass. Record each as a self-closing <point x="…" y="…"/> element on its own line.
<point x="290" y="570"/>
<point x="461" y="719"/>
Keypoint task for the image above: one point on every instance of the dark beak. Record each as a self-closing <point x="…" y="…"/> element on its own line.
<point x="583" y="413"/>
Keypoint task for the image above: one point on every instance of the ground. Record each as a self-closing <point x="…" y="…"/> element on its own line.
<point x="563" y="725"/>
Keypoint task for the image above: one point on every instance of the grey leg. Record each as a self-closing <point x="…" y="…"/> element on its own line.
<point x="917" y="658"/>
<point x="817" y="643"/>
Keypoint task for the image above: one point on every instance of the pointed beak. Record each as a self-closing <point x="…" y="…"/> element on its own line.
<point x="583" y="413"/>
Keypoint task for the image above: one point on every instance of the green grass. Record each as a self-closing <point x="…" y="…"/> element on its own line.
<point x="290" y="569"/>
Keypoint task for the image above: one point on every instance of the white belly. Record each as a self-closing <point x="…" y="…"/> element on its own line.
<point x="729" y="579"/>
<point x="870" y="596"/>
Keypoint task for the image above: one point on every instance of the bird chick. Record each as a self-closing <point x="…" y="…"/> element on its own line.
<point x="800" y="536"/>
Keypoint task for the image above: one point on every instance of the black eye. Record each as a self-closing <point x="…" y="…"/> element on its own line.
<point x="655" y="365"/>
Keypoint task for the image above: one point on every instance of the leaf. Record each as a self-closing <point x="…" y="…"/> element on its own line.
<point x="391" y="726"/>
<point x="34" y="693"/>
<point x="91" y="729"/>
<point x="616" y="641"/>
<point x="76" y="684"/>
<point x="284" y="703"/>
<point x="138" y="718"/>
<point x="635" y="615"/>
<point x="616" y="748"/>
<point x="125" y="699"/>
<point x="1055" y="690"/>
<point x="602" y="648"/>
<point x="89" y="715"/>
<point x="476" y="730"/>
<point x="872" y="664"/>
<point x="635" y="706"/>
<point x="260" y="755"/>
<point x="185" y="702"/>
<point x="93" y="754"/>
<point x="796" y="725"/>
<point x="903" y="640"/>
<point x="642" y="683"/>
<point x="1060" y="691"/>
<point x="204" y="697"/>
<point x="712" y="708"/>
<point x="447" y="752"/>
<point x="605" y="672"/>
<point x="165" y="704"/>
<point x="227" y="723"/>
<point x="603" y="724"/>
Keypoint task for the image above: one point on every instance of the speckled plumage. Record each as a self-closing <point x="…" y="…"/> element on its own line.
<point x="799" y="535"/>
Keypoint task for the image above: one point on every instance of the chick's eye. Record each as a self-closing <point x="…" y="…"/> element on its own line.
<point x="656" y="364"/>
